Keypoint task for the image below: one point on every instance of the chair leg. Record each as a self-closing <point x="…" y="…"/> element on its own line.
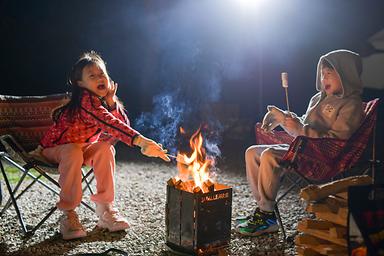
<point x="13" y="199"/>
<point x="9" y="202"/>
<point x="285" y="193"/>
<point x="87" y="183"/>
<point x="277" y="212"/>
<point x="18" y="213"/>
<point x="294" y="183"/>
<point x="22" y="169"/>
<point x="51" y="211"/>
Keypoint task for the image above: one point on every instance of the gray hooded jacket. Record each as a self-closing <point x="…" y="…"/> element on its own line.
<point x="336" y="116"/>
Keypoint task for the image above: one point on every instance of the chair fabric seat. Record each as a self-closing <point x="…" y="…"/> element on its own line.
<point x="27" y="118"/>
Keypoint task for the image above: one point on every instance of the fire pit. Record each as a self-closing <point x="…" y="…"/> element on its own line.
<point x="198" y="222"/>
<point x="198" y="211"/>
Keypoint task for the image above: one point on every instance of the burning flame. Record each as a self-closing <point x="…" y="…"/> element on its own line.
<point x="197" y="164"/>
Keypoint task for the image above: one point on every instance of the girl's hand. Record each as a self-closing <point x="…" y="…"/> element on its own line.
<point x="110" y="98"/>
<point x="292" y="125"/>
<point x="150" y="148"/>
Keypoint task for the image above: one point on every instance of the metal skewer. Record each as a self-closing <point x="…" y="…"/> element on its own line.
<point x="171" y="156"/>
<point x="178" y="159"/>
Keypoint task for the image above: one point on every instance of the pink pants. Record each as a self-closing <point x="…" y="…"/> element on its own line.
<point x="71" y="157"/>
<point x="264" y="173"/>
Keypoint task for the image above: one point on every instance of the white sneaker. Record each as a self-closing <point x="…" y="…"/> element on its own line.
<point x="112" y="220"/>
<point x="70" y="226"/>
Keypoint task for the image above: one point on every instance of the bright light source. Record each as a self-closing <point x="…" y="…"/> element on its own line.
<point x="248" y="3"/>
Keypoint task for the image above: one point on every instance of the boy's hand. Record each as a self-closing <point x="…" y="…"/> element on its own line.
<point x="292" y="125"/>
<point x="151" y="148"/>
<point x="110" y="98"/>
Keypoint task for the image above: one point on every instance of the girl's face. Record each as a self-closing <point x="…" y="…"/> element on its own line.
<point x="95" y="79"/>
<point x="331" y="82"/>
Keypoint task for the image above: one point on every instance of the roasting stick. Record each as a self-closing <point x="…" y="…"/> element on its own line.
<point x="284" y="83"/>
<point x="178" y="159"/>
<point x="171" y="156"/>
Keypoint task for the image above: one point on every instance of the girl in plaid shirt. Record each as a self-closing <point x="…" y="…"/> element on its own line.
<point x="83" y="133"/>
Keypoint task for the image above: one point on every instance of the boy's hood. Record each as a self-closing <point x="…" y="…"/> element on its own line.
<point x="349" y="67"/>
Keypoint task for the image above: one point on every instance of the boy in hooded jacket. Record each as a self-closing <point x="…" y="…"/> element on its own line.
<point x="335" y="111"/>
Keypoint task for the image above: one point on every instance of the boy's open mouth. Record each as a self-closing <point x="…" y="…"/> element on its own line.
<point x="101" y="87"/>
<point x="327" y="87"/>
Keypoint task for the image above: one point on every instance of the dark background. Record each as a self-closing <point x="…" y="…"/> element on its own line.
<point x="186" y="63"/>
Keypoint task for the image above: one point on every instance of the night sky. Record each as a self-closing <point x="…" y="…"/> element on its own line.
<point x="220" y="54"/>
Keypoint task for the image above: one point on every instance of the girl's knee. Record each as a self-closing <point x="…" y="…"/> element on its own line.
<point x="72" y="152"/>
<point x="105" y="149"/>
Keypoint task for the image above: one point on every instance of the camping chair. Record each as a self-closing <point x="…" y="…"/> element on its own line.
<point x="23" y="121"/>
<point x="318" y="160"/>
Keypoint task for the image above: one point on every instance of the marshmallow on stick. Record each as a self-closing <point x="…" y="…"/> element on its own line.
<point x="284" y="83"/>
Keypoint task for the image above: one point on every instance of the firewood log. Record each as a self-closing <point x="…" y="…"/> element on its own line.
<point x="318" y="245"/>
<point x="197" y="190"/>
<point x="321" y="233"/>
<point x="338" y="232"/>
<point x="304" y="239"/>
<point x="343" y="195"/>
<point x="209" y="186"/>
<point x="343" y="212"/>
<point x="332" y="217"/>
<point x="171" y="182"/>
<point x="337" y="201"/>
<point x="179" y="184"/>
<point x="318" y="192"/>
<point x="316" y="224"/>
<point x="303" y="251"/>
<point x="322" y="207"/>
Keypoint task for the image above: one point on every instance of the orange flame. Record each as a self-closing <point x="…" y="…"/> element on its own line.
<point x="197" y="164"/>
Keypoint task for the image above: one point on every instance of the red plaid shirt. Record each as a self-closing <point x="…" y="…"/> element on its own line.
<point x="92" y="121"/>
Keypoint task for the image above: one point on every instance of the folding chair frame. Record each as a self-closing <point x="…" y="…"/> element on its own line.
<point x="32" y="164"/>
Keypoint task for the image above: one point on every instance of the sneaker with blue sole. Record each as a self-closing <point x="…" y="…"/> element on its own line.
<point x="260" y="223"/>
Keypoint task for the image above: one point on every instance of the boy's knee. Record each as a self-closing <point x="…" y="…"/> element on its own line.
<point x="267" y="154"/>
<point x="251" y="152"/>
<point x="270" y="158"/>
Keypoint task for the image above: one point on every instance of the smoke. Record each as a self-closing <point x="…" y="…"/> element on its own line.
<point x="197" y="49"/>
<point x="162" y="124"/>
<point x="172" y="111"/>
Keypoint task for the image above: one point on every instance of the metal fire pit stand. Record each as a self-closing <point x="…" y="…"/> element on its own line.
<point x="198" y="223"/>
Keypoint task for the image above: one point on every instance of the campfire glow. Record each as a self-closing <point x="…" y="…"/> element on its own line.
<point x="196" y="165"/>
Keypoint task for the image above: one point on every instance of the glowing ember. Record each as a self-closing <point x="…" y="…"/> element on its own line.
<point x="196" y="165"/>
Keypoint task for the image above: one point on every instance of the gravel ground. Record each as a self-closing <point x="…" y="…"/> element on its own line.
<point x="141" y="196"/>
